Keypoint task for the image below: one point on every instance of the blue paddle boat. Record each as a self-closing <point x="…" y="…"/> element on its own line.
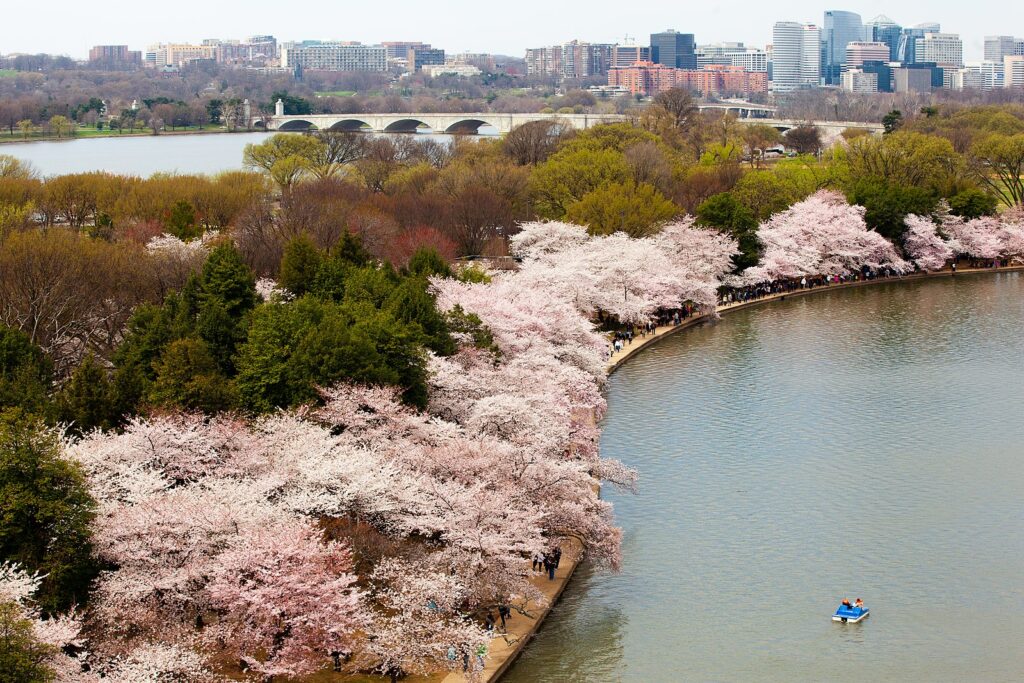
<point x="848" y="614"/>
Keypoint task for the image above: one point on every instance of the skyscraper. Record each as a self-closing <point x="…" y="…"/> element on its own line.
<point x="674" y="49"/>
<point x="908" y="41"/>
<point x="882" y="29"/>
<point x="841" y="28"/>
<point x="796" y="56"/>
<point x="997" y="47"/>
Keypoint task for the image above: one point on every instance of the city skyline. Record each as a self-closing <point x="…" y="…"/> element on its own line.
<point x="464" y="27"/>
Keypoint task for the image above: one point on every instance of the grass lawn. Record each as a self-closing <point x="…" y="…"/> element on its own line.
<point x="8" y="73"/>
<point x="335" y="93"/>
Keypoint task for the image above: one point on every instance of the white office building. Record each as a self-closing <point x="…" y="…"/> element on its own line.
<point x="796" y="56"/>
<point x="1013" y="71"/>
<point x="967" y="78"/>
<point x="945" y="49"/>
<point x="335" y="57"/>
<point x="997" y="47"/>
<point x="856" y="81"/>
<point x="992" y="74"/>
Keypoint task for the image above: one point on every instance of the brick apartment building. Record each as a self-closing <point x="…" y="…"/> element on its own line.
<point x="647" y="78"/>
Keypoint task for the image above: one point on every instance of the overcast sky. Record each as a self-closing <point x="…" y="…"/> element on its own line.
<point x="508" y="27"/>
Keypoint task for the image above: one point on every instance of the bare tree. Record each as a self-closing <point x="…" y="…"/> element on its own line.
<point x="532" y="143"/>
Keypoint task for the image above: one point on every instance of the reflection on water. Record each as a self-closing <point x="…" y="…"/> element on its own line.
<point x="860" y="443"/>
<point x="146" y="155"/>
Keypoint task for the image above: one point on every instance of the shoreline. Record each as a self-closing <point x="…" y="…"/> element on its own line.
<point x="617" y="360"/>
<point x="504" y="653"/>
<point x="138" y="134"/>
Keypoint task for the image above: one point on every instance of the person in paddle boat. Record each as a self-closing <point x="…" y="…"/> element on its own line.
<point x="846" y="604"/>
<point x="859" y="604"/>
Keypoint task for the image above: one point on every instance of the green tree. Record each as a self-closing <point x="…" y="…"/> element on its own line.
<point x="973" y="203"/>
<point x="60" y="126"/>
<point x="25" y="373"/>
<point x="569" y="175"/>
<point x="227" y="278"/>
<point x="724" y="212"/>
<point x="905" y="158"/>
<point x="86" y="401"/>
<point x="888" y="204"/>
<point x="998" y="162"/>
<point x="294" y="348"/>
<point x="764" y="194"/>
<point x="293" y="105"/>
<point x="188" y="376"/>
<point x="182" y="222"/>
<point x="22" y="656"/>
<point x="411" y="304"/>
<point x="300" y="265"/>
<point x="349" y="249"/>
<point x="426" y="262"/>
<point x="637" y="210"/>
<point x="284" y="157"/>
<point x="892" y="121"/>
<point x="45" y="511"/>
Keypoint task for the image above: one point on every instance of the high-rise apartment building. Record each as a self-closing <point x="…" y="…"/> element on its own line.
<point x="859" y="52"/>
<point x="400" y="49"/>
<point x="628" y="55"/>
<point x="840" y="29"/>
<point x="573" y="60"/>
<point x="671" y="48"/>
<point x="882" y="29"/>
<point x="114" y="57"/>
<point x="335" y="57"/>
<point x="177" y="55"/>
<point x="647" y="78"/>
<point x="796" y="56"/>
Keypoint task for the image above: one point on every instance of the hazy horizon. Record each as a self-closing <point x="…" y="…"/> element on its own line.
<point x="71" y="28"/>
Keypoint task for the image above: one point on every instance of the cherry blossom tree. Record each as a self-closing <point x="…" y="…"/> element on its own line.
<point x="822" y="235"/>
<point x="978" y="238"/>
<point x="924" y="245"/>
<point x="419" y="628"/>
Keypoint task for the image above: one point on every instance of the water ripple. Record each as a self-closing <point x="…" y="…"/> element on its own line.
<point x="865" y="442"/>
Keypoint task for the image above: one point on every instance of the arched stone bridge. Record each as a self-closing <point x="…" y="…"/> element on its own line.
<point x="439" y="123"/>
<point x="503" y="123"/>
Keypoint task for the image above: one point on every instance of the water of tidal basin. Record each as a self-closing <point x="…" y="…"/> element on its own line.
<point x="859" y="443"/>
<point x="144" y="155"/>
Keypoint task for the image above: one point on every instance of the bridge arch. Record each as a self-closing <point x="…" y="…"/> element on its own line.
<point x="351" y="125"/>
<point x="297" y="125"/>
<point x="467" y="127"/>
<point x="406" y="126"/>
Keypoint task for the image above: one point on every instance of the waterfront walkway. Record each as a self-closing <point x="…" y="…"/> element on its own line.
<point x="629" y="349"/>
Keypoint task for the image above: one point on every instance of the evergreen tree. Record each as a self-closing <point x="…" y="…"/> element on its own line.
<point x="22" y="656"/>
<point x="86" y="402"/>
<point x="25" y="373"/>
<point x="46" y="512"/>
<point x="300" y="266"/>
<point x="226" y="277"/>
<point x="187" y="376"/>
<point x="426" y="262"/>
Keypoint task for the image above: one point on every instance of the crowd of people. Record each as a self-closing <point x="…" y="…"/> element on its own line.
<point x="728" y="296"/>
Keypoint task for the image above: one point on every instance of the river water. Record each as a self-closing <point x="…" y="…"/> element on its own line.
<point x="858" y="443"/>
<point x="149" y="154"/>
